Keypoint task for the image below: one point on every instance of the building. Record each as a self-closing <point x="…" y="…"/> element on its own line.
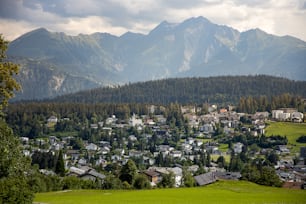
<point x="205" y="179"/>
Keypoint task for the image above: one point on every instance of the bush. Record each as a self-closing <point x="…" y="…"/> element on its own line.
<point x="141" y="182"/>
<point x="301" y="139"/>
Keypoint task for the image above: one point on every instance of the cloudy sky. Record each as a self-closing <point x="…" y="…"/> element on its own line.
<point x="280" y="17"/>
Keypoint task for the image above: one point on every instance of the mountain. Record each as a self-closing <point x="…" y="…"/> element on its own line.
<point x="41" y="80"/>
<point x="195" y="47"/>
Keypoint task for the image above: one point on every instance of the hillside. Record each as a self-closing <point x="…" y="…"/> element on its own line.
<point x="44" y="80"/>
<point x="195" y="47"/>
<point x="226" y="89"/>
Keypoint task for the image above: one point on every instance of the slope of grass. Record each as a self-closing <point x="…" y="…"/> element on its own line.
<point x="291" y="130"/>
<point x="221" y="192"/>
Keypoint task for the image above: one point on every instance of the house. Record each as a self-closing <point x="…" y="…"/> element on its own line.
<point x="24" y="140"/>
<point x="52" y="119"/>
<point x="303" y="152"/>
<point x="92" y="147"/>
<point x="53" y="140"/>
<point x="205" y="179"/>
<point x="207" y="128"/>
<point x="238" y="147"/>
<point x="177" y="171"/>
<point x="153" y="176"/>
<point x="276" y="113"/>
<point x="74" y="171"/>
<point x="92" y="175"/>
<point x="176" y="154"/>
<point x="297" y="117"/>
<point x="283" y="149"/>
<point x="228" y="175"/>
<point x="134" y="121"/>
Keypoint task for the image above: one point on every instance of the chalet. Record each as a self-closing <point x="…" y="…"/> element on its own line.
<point x="92" y="175"/>
<point x="153" y="176"/>
<point x="74" y="171"/>
<point x="228" y="175"/>
<point x="205" y="179"/>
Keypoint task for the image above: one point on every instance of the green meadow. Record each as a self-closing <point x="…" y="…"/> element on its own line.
<point x="220" y="192"/>
<point x="291" y="130"/>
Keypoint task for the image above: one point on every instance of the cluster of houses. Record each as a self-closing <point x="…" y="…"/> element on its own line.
<point x="288" y="114"/>
<point x="80" y="162"/>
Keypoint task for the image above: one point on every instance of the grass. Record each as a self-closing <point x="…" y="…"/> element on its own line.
<point x="221" y="192"/>
<point x="291" y="130"/>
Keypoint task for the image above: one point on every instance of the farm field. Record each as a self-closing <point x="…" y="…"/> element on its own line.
<point x="220" y="192"/>
<point x="291" y="130"/>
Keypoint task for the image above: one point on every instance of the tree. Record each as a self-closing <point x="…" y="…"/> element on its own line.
<point x="128" y="172"/>
<point x="7" y="70"/>
<point x="168" y="180"/>
<point x="14" y="166"/>
<point x="221" y="162"/>
<point x="188" y="180"/>
<point x="60" y="166"/>
<point x="141" y="182"/>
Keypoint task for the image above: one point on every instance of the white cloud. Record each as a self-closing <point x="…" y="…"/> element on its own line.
<point x="280" y="17"/>
<point x="11" y="29"/>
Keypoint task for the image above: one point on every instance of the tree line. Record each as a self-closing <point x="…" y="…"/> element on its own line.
<point x="221" y="90"/>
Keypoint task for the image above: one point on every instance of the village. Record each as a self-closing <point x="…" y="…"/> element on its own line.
<point x="205" y="148"/>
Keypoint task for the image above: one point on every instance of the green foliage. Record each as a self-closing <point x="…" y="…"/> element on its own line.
<point x="15" y="190"/>
<point x="222" y="90"/>
<point x="13" y="169"/>
<point x="188" y="180"/>
<point x="7" y="70"/>
<point x="168" y="180"/>
<point x="251" y="104"/>
<point x="128" y="172"/>
<point x="112" y="182"/>
<point x="301" y="139"/>
<point x="141" y="182"/>
<point x="60" y="166"/>
<point x="264" y="175"/>
<point x="71" y="182"/>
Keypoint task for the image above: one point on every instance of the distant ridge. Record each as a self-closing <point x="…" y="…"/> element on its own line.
<point x="195" y="47"/>
<point x="222" y="90"/>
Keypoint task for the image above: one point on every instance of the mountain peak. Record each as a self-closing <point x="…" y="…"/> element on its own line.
<point x="164" y="26"/>
<point x="197" y="20"/>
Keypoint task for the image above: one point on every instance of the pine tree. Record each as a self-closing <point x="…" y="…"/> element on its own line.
<point x="60" y="166"/>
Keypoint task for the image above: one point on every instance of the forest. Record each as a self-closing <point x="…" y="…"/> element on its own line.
<point x="221" y="90"/>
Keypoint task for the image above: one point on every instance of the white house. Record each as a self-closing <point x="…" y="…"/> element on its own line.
<point x="92" y="147"/>
<point x="52" y="119"/>
<point x="276" y="113"/>
<point x="238" y="147"/>
<point x="134" y="121"/>
<point x="297" y="116"/>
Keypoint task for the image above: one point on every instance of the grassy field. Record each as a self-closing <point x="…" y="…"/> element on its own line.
<point x="291" y="130"/>
<point x="221" y="192"/>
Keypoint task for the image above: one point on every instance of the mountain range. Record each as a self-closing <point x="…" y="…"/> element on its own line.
<point x="55" y="63"/>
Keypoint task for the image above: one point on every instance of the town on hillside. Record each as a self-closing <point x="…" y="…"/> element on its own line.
<point x="216" y="144"/>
